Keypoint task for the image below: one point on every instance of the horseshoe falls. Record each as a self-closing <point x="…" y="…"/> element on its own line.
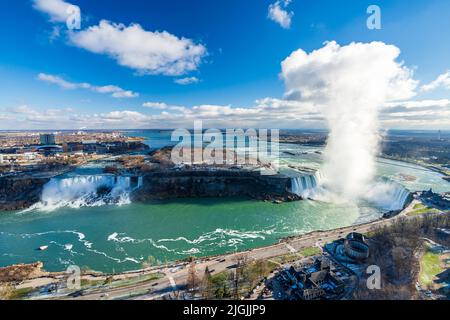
<point x="383" y="193"/>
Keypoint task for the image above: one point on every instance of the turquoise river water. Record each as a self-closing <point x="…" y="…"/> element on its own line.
<point x="119" y="237"/>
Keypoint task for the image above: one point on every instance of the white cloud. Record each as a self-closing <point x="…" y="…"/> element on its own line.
<point x="426" y="114"/>
<point x="120" y="116"/>
<point x="28" y="116"/>
<point x="156" y="105"/>
<point x="349" y="85"/>
<point x="186" y="81"/>
<point x="22" y="109"/>
<point x="164" y="106"/>
<point x="442" y="103"/>
<point x="310" y="76"/>
<point x="115" y="91"/>
<point x="145" y="51"/>
<point x="265" y="113"/>
<point x="442" y="81"/>
<point x="57" y="80"/>
<point x="56" y="9"/>
<point x="279" y="14"/>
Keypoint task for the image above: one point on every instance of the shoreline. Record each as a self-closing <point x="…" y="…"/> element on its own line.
<point x="423" y="165"/>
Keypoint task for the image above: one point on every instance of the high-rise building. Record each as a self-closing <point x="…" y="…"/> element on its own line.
<point x="47" y="139"/>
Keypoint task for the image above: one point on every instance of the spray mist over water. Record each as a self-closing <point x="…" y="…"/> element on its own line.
<point x="86" y="191"/>
<point x="349" y="85"/>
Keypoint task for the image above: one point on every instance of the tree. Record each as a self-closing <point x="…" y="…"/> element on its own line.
<point x="206" y="285"/>
<point x="193" y="281"/>
<point x="6" y="291"/>
<point x="223" y="291"/>
<point x="239" y="274"/>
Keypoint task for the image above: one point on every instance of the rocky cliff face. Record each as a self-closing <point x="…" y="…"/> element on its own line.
<point x="21" y="272"/>
<point x="20" y="193"/>
<point x="214" y="183"/>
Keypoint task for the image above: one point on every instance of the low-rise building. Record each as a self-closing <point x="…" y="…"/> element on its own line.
<point x="356" y="247"/>
<point x="319" y="280"/>
<point x="436" y="200"/>
<point x="18" y="157"/>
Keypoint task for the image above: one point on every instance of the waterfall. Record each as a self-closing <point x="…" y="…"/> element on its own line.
<point x="306" y="185"/>
<point x="388" y="195"/>
<point x="87" y="190"/>
<point x="383" y="193"/>
<point x="140" y="182"/>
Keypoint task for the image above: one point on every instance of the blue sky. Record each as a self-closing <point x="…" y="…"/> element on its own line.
<point x="235" y="58"/>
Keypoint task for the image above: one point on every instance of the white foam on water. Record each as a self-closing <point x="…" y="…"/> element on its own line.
<point x="387" y="195"/>
<point x="222" y="234"/>
<point x="121" y="238"/>
<point x="307" y="186"/>
<point x="81" y="238"/>
<point x="383" y="193"/>
<point x="86" y="191"/>
<point x="191" y="251"/>
<point x="217" y="238"/>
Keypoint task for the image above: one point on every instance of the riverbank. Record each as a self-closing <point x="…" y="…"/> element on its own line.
<point x="435" y="168"/>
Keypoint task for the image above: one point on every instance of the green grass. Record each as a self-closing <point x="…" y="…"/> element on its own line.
<point x="310" y="251"/>
<point x="220" y="285"/>
<point x="306" y="252"/>
<point x="21" y="293"/>
<point x="430" y="267"/>
<point x="91" y="283"/>
<point x="423" y="210"/>
<point x="370" y="234"/>
<point x="251" y="274"/>
<point x="285" y="258"/>
<point x="120" y="283"/>
<point x="271" y="265"/>
<point x="221" y="277"/>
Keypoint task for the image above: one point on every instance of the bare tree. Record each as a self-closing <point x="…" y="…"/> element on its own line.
<point x="395" y="249"/>
<point x="193" y="280"/>
<point x="206" y="285"/>
<point x="241" y="263"/>
<point x="6" y="291"/>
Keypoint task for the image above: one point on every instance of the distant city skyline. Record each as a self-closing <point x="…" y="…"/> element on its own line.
<point x="164" y="64"/>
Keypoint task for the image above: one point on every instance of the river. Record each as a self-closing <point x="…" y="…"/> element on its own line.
<point x="121" y="236"/>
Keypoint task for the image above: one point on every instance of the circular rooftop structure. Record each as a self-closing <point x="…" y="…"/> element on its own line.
<point x="356" y="247"/>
